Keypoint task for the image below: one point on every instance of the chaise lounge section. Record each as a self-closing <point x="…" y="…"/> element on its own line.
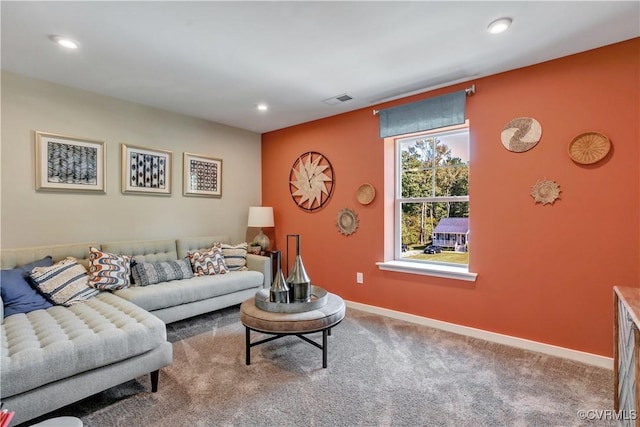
<point x="56" y="356"/>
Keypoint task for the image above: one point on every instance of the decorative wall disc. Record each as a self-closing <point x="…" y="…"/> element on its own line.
<point x="366" y="194"/>
<point x="545" y="191"/>
<point x="347" y="221"/>
<point x="521" y="134"/>
<point x="589" y="147"/>
<point x="311" y="181"/>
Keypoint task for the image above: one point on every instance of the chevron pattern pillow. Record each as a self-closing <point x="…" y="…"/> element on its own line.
<point x="107" y="271"/>
<point x="235" y="256"/>
<point x="208" y="262"/>
<point x="64" y="283"/>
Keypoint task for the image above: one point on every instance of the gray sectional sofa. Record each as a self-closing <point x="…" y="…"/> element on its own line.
<point x="56" y="356"/>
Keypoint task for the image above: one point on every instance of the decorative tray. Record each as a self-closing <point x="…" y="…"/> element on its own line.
<point x="318" y="299"/>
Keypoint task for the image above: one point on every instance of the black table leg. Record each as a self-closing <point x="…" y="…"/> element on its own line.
<point x="324" y="348"/>
<point x="248" y="345"/>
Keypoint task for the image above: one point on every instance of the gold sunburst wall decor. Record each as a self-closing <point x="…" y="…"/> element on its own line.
<point x="545" y="191"/>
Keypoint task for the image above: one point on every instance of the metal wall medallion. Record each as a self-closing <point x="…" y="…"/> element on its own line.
<point x="347" y="221"/>
<point x="311" y="181"/>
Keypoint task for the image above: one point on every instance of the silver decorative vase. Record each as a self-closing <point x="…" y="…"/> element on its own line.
<point x="298" y="280"/>
<point x="279" y="291"/>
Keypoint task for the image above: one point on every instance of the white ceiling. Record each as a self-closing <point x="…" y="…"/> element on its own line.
<point x="217" y="60"/>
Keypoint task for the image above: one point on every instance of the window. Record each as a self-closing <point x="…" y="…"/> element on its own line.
<point x="426" y="146"/>
<point x="432" y="197"/>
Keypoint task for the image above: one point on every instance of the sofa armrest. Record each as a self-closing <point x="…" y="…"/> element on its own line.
<point x="263" y="265"/>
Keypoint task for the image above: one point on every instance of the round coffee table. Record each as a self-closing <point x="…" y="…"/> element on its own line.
<point x="298" y="324"/>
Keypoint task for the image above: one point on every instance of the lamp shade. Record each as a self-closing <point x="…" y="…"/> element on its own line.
<point x="260" y="216"/>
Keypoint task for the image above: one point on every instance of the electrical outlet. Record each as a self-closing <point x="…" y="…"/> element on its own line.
<point x="359" y="278"/>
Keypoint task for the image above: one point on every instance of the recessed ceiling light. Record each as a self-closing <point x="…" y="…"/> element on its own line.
<point x="262" y="107"/>
<point x="64" y="42"/>
<point x="499" y="25"/>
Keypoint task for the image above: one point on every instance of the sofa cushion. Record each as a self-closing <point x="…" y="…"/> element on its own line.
<point x="235" y="256"/>
<point x="107" y="271"/>
<point x="48" y="345"/>
<point x="150" y="273"/>
<point x="17" y="294"/>
<point x="144" y="250"/>
<point x="64" y="283"/>
<point x="169" y="294"/>
<point x="12" y="258"/>
<point x="208" y="262"/>
<point x="185" y="245"/>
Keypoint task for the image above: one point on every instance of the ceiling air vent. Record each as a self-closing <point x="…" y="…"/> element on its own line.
<point x="337" y="99"/>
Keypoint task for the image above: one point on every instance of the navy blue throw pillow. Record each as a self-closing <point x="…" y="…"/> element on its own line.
<point x="17" y="295"/>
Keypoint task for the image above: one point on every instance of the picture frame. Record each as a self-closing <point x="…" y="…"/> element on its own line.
<point x="202" y="176"/>
<point x="146" y="170"/>
<point x="69" y="163"/>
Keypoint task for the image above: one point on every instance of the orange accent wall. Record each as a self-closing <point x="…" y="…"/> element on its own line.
<point x="545" y="273"/>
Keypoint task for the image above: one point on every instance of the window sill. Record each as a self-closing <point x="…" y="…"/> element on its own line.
<point x="446" y="271"/>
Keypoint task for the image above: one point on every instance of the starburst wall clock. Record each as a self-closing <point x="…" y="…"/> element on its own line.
<point x="311" y="181"/>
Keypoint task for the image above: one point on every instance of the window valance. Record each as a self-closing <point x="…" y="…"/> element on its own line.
<point x="432" y="113"/>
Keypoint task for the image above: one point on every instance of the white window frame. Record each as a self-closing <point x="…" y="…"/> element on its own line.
<point x="399" y="264"/>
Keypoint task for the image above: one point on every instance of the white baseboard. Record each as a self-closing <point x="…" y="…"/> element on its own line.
<point x="552" y="350"/>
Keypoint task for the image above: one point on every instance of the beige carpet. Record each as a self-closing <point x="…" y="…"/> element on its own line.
<point x="382" y="372"/>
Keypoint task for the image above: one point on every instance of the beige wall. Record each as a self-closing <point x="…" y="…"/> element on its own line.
<point x="31" y="218"/>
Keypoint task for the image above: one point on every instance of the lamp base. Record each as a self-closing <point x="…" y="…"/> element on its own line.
<point x="262" y="240"/>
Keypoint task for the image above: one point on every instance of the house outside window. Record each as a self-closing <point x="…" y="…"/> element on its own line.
<point x="452" y="233"/>
<point x="432" y="197"/>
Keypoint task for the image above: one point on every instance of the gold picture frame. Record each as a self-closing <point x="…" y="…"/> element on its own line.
<point x="202" y="176"/>
<point x="69" y="163"/>
<point x="146" y="170"/>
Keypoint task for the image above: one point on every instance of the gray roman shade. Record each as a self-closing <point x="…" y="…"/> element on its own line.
<point x="432" y="113"/>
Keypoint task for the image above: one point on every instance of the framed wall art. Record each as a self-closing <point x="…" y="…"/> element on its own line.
<point x="146" y="170"/>
<point x="68" y="163"/>
<point x="202" y="176"/>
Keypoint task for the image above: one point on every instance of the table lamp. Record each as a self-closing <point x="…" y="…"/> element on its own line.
<point x="261" y="216"/>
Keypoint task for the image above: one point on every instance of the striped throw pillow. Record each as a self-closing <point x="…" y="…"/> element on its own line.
<point x="64" y="283"/>
<point x="235" y="257"/>
<point x="150" y="273"/>
<point x="208" y="262"/>
<point x="107" y="271"/>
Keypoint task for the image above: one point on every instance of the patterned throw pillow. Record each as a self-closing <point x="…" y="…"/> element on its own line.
<point x="235" y="257"/>
<point x="150" y="273"/>
<point x="107" y="271"/>
<point x="208" y="262"/>
<point x="64" y="283"/>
